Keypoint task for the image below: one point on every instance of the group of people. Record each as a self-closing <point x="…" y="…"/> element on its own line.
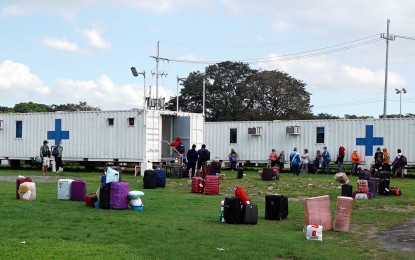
<point x="45" y="154"/>
<point x="299" y="164"/>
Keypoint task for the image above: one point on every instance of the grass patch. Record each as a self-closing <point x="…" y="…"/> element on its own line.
<point x="177" y="224"/>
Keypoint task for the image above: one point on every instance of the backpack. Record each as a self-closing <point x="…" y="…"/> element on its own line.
<point x="180" y="148"/>
<point x="233" y="159"/>
<point x="55" y="151"/>
<point x="404" y="160"/>
<point x="206" y="155"/>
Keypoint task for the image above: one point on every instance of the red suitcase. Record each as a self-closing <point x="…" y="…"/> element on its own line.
<point x="90" y="199"/>
<point x="20" y="181"/>
<point x="197" y="185"/>
<point x="212" y="185"/>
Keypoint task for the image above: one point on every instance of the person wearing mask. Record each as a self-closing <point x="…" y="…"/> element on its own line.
<point x="57" y="153"/>
<point x="355" y="161"/>
<point x="304" y="162"/>
<point x="326" y="160"/>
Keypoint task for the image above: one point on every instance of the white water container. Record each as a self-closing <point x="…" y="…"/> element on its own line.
<point x="64" y="189"/>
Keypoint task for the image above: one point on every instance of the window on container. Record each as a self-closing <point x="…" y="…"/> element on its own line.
<point x="131" y="121"/>
<point x="233" y="135"/>
<point x="110" y="121"/>
<point x="320" y="135"/>
<point x="19" y="129"/>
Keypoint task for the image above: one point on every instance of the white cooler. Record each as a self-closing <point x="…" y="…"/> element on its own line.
<point x="64" y="189"/>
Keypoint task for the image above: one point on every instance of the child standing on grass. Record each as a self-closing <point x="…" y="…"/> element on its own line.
<point x="273" y="158"/>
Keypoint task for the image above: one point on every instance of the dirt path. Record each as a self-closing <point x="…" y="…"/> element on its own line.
<point x="400" y="238"/>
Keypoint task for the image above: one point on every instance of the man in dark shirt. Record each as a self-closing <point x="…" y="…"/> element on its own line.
<point x="201" y="159"/>
<point x="192" y="157"/>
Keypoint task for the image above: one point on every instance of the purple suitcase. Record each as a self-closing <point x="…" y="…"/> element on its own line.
<point x="119" y="195"/>
<point x="78" y="190"/>
<point x="373" y="187"/>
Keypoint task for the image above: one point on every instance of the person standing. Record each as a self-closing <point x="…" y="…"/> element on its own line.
<point x="397" y="165"/>
<point x="201" y="157"/>
<point x="355" y="161"/>
<point x="57" y="153"/>
<point x="316" y="162"/>
<point x="326" y="160"/>
<point x="295" y="162"/>
<point x="340" y="159"/>
<point x="281" y="160"/>
<point x="192" y="157"/>
<point x="233" y="159"/>
<point x="273" y="158"/>
<point x="386" y="160"/>
<point x="304" y="162"/>
<point x="45" y="155"/>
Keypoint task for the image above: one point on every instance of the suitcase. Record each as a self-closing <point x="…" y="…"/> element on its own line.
<point x="197" y="185"/>
<point x="383" y="187"/>
<point x="160" y="178"/>
<point x="90" y="199"/>
<point x="20" y="181"/>
<point x="27" y="191"/>
<point x="395" y="191"/>
<point x="276" y="173"/>
<point x="317" y="211"/>
<point x="384" y="175"/>
<point x="149" y="179"/>
<point x="119" y="170"/>
<point x="104" y="197"/>
<point x="373" y="188"/>
<point x="240" y="174"/>
<point x="212" y="185"/>
<point x="64" y="189"/>
<point x="362" y="195"/>
<point x="78" y="190"/>
<point x="347" y="190"/>
<point x="267" y="174"/>
<point x="232" y="211"/>
<point x="103" y="180"/>
<point x="276" y="207"/>
<point x="119" y="195"/>
<point x="362" y="186"/>
<point x="250" y="214"/>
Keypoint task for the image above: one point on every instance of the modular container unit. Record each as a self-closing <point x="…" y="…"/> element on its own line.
<point x="99" y="136"/>
<point x="254" y="140"/>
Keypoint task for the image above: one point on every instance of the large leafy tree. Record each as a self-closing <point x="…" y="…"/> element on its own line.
<point x="82" y="106"/>
<point x="27" y="107"/>
<point x="241" y="93"/>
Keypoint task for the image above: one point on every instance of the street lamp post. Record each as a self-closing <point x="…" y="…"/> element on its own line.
<point x="400" y="91"/>
<point x="210" y="81"/>
<point x="135" y="74"/>
<point x="177" y="92"/>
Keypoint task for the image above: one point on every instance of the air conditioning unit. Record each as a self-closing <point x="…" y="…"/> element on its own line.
<point x="292" y="130"/>
<point x="254" y="130"/>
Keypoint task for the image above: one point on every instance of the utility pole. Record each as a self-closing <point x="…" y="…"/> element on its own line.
<point x="385" y="94"/>
<point x="157" y="58"/>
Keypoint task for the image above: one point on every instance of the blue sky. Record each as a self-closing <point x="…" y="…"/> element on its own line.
<point x="57" y="52"/>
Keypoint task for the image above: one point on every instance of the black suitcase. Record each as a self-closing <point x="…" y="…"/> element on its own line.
<point x="347" y="190"/>
<point x="240" y="173"/>
<point x="104" y="196"/>
<point x="250" y="214"/>
<point x="384" y="175"/>
<point x="232" y="211"/>
<point x="276" y="207"/>
<point x="267" y="174"/>
<point x="383" y="187"/>
<point x="149" y="179"/>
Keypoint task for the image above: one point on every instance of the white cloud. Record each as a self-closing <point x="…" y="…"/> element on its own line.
<point x="17" y="82"/>
<point x="16" y="10"/>
<point x="281" y="27"/>
<point x="62" y="44"/>
<point x="95" y="39"/>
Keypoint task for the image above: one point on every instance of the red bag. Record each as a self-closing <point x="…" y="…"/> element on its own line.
<point x="197" y="185"/>
<point x="395" y="191"/>
<point x="240" y="193"/>
<point x="90" y="199"/>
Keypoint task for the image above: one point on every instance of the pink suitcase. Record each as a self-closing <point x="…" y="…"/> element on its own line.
<point x="197" y="185"/>
<point x="78" y="190"/>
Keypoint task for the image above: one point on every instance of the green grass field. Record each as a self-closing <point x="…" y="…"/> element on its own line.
<point x="177" y="224"/>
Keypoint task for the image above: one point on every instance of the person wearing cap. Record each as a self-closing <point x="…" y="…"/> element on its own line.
<point x="355" y="161"/>
<point x="45" y="155"/>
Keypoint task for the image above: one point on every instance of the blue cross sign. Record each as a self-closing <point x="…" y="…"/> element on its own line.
<point x="58" y="134"/>
<point x="369" y="141"/>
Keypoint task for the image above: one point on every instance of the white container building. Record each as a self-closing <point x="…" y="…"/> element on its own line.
<point x="253" y="140"/>
<point x="134" y="136"/>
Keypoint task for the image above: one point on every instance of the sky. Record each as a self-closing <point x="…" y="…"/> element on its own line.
<point x="58" y="52"/>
